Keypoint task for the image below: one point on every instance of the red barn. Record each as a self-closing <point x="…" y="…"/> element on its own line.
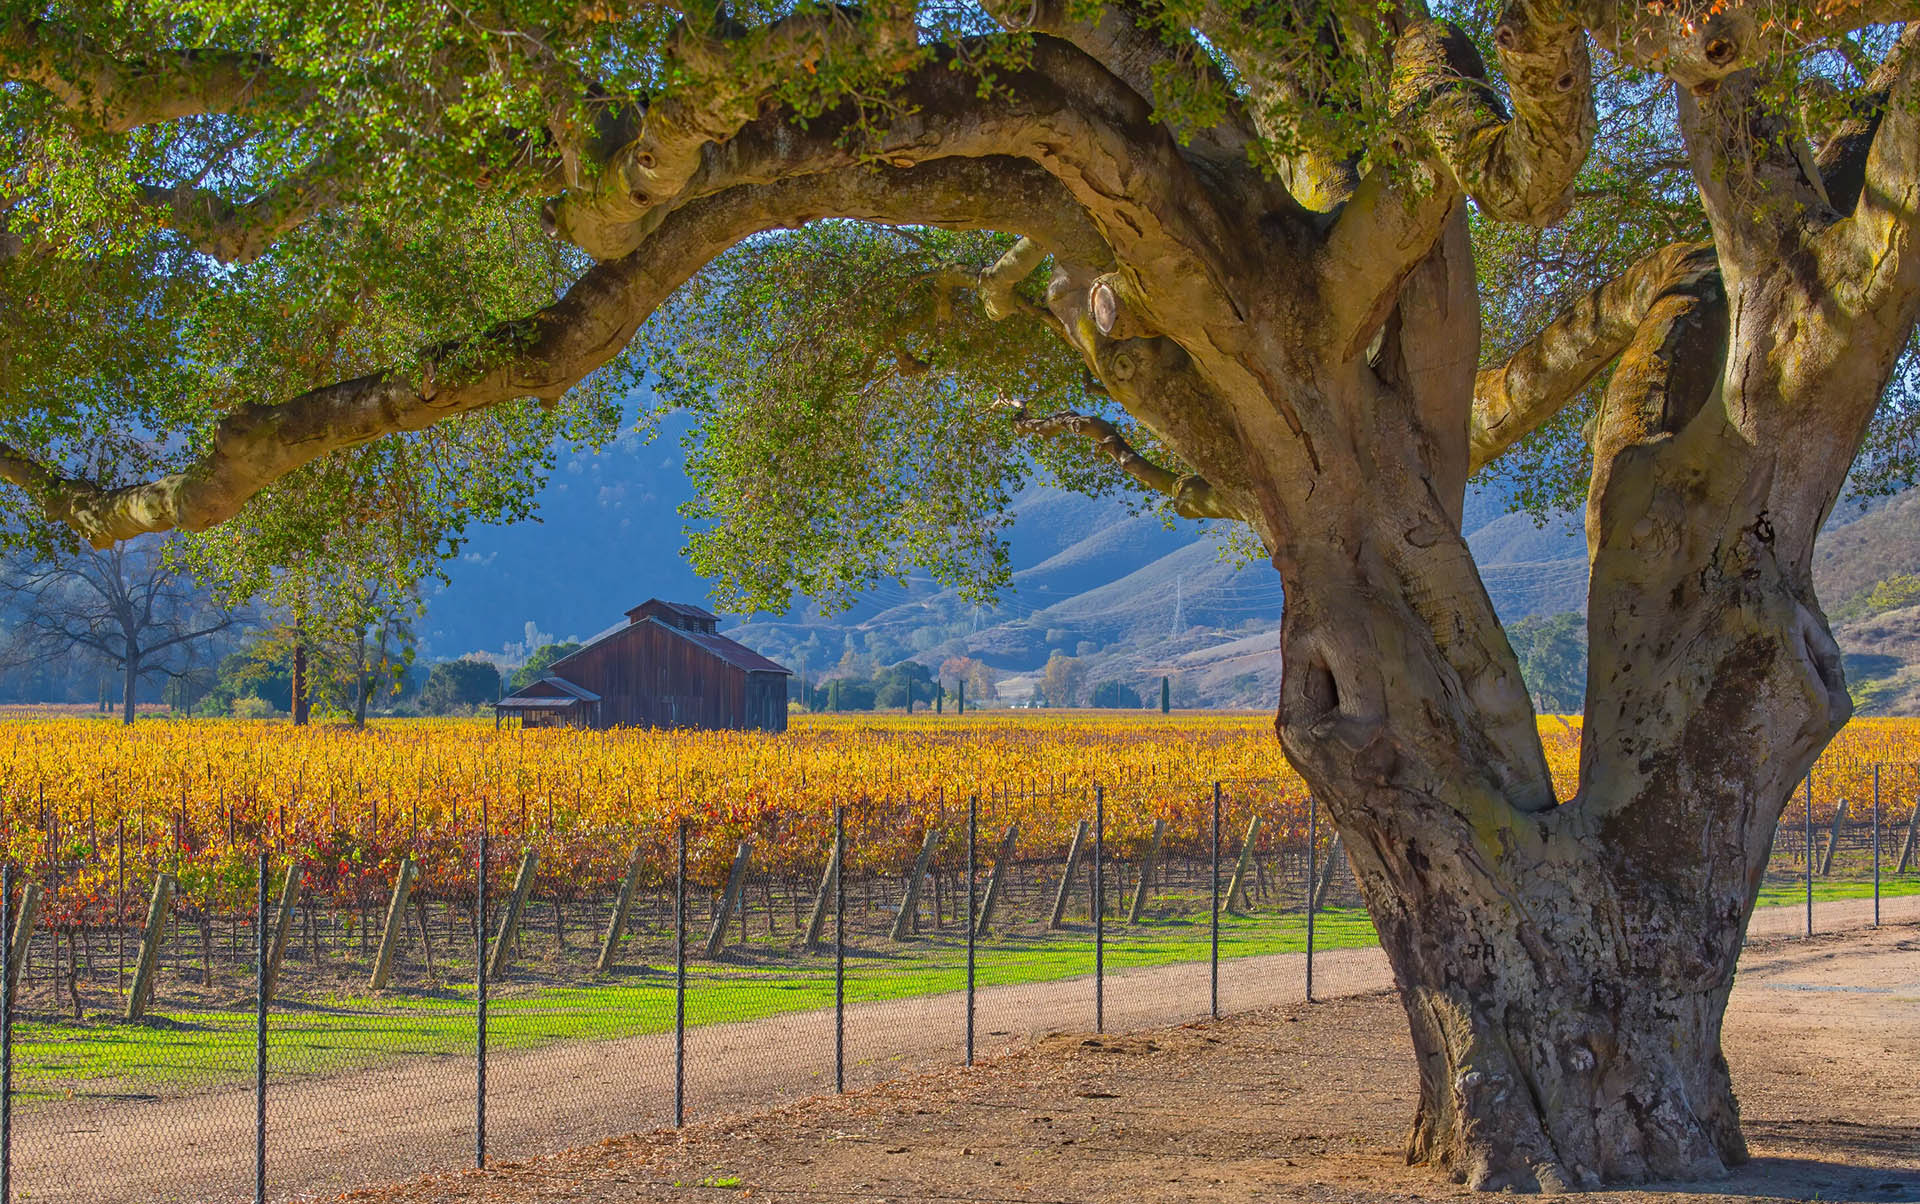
<point x="667" y="667"/>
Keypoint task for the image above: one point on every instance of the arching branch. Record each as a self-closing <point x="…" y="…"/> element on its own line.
<point x="1063" y="111"/>
<point x="1546" y="372"/>
<point x="1190" y="494"/>
<point x="541" y="355"/>
<point x="119" y="94"/>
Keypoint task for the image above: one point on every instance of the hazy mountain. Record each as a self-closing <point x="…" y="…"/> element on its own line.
<point x="1134" y="596"/>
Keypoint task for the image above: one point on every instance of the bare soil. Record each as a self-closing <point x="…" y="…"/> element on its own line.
<point x="1301" y="1101"/>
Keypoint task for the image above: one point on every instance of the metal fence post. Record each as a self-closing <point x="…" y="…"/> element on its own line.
<point x="480" y="1001"/>
<point x="1809" y="835"/>
<point x="1876" y="845"/>
<point x="1099" y="909"/>
<point x="6" y="1034"/>
<point x="260" y="1043"/>
<point x="840" y="949"/>
<point x="680" y="980"/>
<point x="973" y="825"/>
<point x="1313" y="833"/>
<point x="1213" y="959"/>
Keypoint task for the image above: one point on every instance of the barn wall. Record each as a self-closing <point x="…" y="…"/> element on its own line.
<point x="648" y="677"/>
<point x="767" y="701"/>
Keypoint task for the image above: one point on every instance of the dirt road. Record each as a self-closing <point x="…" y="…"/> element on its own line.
<point x="1293" y="1103"/>
<point x="417" y="1115"/>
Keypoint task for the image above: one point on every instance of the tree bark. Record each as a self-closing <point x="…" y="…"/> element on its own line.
<point x="297" y="700"/>
<point x="1565" y="963"/>
<point x="131" y="685"/>
<point x="1564" y="970"/>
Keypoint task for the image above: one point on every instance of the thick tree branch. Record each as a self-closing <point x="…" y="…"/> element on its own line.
<point x="123" y="94"/>
<point x="1119" y="36"/>
<point x="1517" y="168"/>
<point x="725" y="76"/>
<point x="1189" y="494"/>
<point x="1666" y="373"/>
<point x="1159" y="385"/>
<point x="539" y="356"/>
<point x="1063" y="111"/>
<point x="1697" y="47"/>
<point x="239" y="233"/>
<point x="1880" y="150"/>
<point x="1541" y="376"/>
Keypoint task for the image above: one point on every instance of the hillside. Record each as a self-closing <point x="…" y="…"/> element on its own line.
<point x="1135" y="597"/>
<point x="1131" y="595"/>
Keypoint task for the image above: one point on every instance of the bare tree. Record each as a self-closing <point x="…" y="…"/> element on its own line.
<point x="126" y="607"/>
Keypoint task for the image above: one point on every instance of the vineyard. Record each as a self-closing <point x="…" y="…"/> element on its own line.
<point x="138" y="852"/>
<point x="94" y="810"/>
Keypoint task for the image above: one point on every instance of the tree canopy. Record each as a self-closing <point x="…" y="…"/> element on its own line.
<point x="275" y="269"/>
<point x="302" y="266"/>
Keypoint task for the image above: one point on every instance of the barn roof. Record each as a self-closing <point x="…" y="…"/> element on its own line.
<point x="685" y="610"/>
<point x="731" y="651"/>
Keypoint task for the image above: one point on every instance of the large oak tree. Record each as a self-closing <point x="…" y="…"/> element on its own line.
<point x="1224" y="250"/>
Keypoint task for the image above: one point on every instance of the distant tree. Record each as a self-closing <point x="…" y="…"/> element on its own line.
<point x="1891" y="593"/>
<point x="1553" y="659"/>
<point x="956" y="668"/>
<point x="538" y="662"/>
<point x="1060" y="683"/>
<point x="901" y="683"/>
<point x="128" y="607"/>
<point x="458" y="685"/>
<point x="983" y="682"/>
<point x="1115" y="694"/>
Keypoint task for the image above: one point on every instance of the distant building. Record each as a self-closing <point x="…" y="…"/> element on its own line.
<point x="667" y="667"/>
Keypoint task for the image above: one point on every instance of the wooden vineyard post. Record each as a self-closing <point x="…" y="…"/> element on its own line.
<point x="1906" y="846"/>
<point x="622" y="908"/>
<point x="729" y="897"/>
<point x="396" y="924"/>
<point x="817" y="922"/>
<point x="143" y="969"/>
<point x="997" y="880"/>
<point x="1139" y="907"/>
<point x="1237" y="885"/>
<point x="1066" y="883"/>
<point x="282" y="925"/>
<point x="510" y="918"/>
<point x="1833" y="838"/>
<point x="22" y="935"/>
<point x="905" y="923"/>
<point x="1325" y="879"/>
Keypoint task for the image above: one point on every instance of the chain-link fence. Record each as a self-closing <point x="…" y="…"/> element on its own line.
<point x="307" y="1018"/>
